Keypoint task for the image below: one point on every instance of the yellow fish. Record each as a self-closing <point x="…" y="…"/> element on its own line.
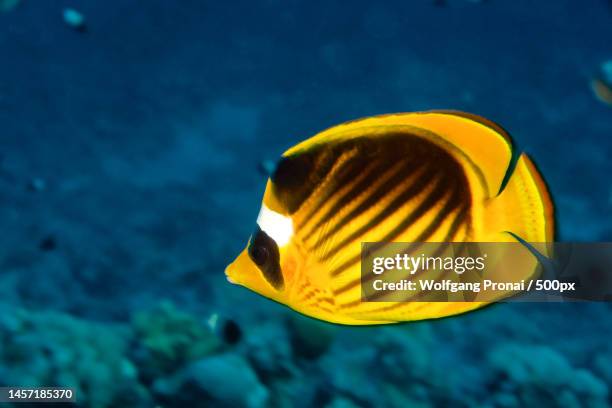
<point x="433" y="176"/>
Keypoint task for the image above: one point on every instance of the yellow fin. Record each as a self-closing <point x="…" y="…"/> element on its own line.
<point x="483" y="143"/>
<point x="524" y="207"/>
<point x="476" y="141"/>
<point x="396" y="312"/>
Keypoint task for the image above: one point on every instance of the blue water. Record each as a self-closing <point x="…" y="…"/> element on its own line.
<point x="128" y="178"/>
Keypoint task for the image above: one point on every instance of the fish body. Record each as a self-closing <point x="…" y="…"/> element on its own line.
<point x="438" y="176"/>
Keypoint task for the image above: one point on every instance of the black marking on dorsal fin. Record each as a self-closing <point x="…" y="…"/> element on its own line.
<point x="298" y="175"/>
<point x="295" y="178"/>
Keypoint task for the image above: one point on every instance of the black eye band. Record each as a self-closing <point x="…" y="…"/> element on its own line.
<point x="263" y="251"/>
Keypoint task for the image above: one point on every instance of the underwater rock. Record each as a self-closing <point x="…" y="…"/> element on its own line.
<point x="244" y="389"/>
<point x="348" y="371"/>
<point x="53" y="349"/>
<point x="340" y="402"/>
<point x="400" y="356"/>
<point x="74" y="19"/>
<point x="7" y="5"/>
<point x="167" y="338"/>
<point x="307" y="385"/>
<point x="603" y="367"/>
<point x="225" y="380"/>
<point x="397" y="397"/>
<point x="268" y="348"/>
<point x="404" y="352"/>
<point x="310" y="338"/>
<point x="540" y="376"/>
<point x="404" y="361"/>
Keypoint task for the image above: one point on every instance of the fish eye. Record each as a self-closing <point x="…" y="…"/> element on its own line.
<point x="260" y="255"/>
<point x="263" y="251"/>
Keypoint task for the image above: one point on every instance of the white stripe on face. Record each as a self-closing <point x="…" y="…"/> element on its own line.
<point x="275" y="225"/>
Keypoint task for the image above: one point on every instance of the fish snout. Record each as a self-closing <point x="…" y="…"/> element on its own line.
<point x="228" y="273"/>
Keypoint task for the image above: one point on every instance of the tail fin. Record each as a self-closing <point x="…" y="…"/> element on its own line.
<point x="524" y="207"/>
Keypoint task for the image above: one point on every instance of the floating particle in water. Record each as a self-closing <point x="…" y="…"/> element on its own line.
<point x="212" y="321"/>
<point x="228" y="330"/>
<point x="48" y="243"/>
<point x="266" y="167"/>
<point x="74" y="19"/>
<point x="232" y="333"/>
<point x="602" y="83"/>
<point x="37" y="184"/>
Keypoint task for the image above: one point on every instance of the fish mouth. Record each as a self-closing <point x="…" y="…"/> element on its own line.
<point x="227" y="275"/>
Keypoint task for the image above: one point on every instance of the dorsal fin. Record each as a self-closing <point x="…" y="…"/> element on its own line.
<point x="480" y="142"/>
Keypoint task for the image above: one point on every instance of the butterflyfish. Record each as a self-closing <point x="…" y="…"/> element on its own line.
<point x="436" y="176"/>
